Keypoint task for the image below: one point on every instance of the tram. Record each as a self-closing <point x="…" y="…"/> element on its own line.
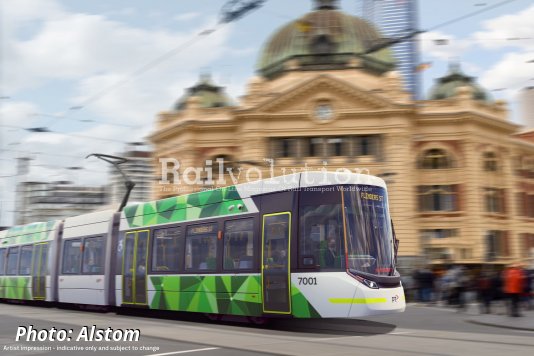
<point x="305" y="245"/>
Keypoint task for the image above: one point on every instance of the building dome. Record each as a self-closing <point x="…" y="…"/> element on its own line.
<point x="447" y="86"/>
<point x="324" y="39"/>
<point x="208" y="94"/>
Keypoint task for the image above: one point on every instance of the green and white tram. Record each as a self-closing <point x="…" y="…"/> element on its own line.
<point x="306" y="245"/>
<point x="27" y="262"/>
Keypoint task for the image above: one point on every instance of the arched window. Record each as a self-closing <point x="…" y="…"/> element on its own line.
<point x="490" y="162"/>
<point x="435" y="158"/>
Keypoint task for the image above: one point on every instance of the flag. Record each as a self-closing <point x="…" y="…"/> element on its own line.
<point x="423" y="66"/>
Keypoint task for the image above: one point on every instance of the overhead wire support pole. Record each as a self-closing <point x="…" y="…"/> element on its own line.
<point x="116" y="161"/>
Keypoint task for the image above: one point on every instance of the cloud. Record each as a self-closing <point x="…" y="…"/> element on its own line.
<point x="188" y="16"/>
<point x="497" y="30"/>
<point x="17" y="113"/>
<point x="511" y="72"/>
<point x="135" y="98"/>
<point x="452" y="50"/>
<point x="19" y="16"/>
<point x="92" y="54"/>
<point x="74" y="46"/>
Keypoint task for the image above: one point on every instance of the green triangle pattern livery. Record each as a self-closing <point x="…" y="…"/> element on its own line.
<point x="204" y="204"/>
<point x="231" y="295"/>
<point x="15" y="288"/>
<point x="301" y="308"/>
<point x="23" y="234"/>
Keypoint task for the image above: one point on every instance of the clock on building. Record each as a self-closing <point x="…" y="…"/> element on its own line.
<point x="324" y="111"/>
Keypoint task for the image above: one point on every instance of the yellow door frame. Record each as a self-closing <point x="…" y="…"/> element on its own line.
<point x="39" y="274"/>
<point x="288" y="262"/>
<point x="134" y="266"/>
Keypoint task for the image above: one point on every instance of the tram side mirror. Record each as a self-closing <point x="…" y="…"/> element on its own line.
<point x="395" y="242"/>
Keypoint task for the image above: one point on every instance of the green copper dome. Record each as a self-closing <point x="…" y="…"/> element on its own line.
<point x="324" y="39"/>
<point x="446" y="86"/>
<point x="210" y="95"/>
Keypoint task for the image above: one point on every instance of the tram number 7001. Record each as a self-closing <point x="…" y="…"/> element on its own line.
<point x="307" y="281"/>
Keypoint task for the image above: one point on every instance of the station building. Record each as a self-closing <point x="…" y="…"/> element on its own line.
<point x="460" y="173"/>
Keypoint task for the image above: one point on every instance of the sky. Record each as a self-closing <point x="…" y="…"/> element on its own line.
<point x="96" y="73"/>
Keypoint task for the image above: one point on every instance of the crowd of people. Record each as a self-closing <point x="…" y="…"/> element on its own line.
<point x="456" y="285"/>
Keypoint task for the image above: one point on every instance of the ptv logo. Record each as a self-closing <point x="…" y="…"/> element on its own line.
<point x="395" y="299"/>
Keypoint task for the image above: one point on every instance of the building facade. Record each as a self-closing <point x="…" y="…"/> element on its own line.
<point x="461" y="184"/>
<point x="41" y="201"/>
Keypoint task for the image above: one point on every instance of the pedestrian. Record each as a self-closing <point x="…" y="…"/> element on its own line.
<point x="497" y="288"/>
<point x="416" y="278"/>
<point x="513" y="277"/>
<point x="449" y="286"/>
<point x="485" y="292"/>
<point x="426" y="284"/>
<point x="527" y="294"/>
<point x="463" y="282"/>
<point x="439" y="286"/>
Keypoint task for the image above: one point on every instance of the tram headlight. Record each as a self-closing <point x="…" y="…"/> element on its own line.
<point x="367" y="282"/>
<point x="370" y="284"/>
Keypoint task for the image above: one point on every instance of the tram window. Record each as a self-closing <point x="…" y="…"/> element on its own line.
<point x="72" y="255"/>
<point x="321" y="230"/>
<point x="25" y="260"/>
<point x="238" y="244"/>
<point x="201" y="247"/>
<point x="167" y="250"/>
<point x="2" y="261"/>
<point x="93" y="255"/>
<point x="12" y="261"/>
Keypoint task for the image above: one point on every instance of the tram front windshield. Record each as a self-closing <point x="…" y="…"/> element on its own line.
<point x="369" y="234"/>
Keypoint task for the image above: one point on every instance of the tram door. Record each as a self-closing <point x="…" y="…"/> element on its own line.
<point x="39" y="270"/>
<point x="275" y="270"/>
<point x="134" y="267"/>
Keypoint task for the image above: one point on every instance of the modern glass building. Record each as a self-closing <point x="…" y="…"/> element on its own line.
<point x="398" y="18"/>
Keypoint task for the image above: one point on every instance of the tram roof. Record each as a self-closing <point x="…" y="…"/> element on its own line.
<point x="21" y="234"/>
<point x="232" y="200"/>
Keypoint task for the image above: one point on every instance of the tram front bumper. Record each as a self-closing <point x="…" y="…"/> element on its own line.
<point x="379" y="301"/>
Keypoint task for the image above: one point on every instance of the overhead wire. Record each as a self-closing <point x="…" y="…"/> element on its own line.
<point x="45" y="130"/>
<point x="410" y="34"/>
<point x="471" y="14"/>
<point x="102" y="93"/>
<point x="83" y="104"/>
<point x="230" y="17"/>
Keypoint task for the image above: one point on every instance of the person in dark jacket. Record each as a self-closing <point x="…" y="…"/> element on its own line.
<point x="426" y="285"/>
<point x="485" y="292"/>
